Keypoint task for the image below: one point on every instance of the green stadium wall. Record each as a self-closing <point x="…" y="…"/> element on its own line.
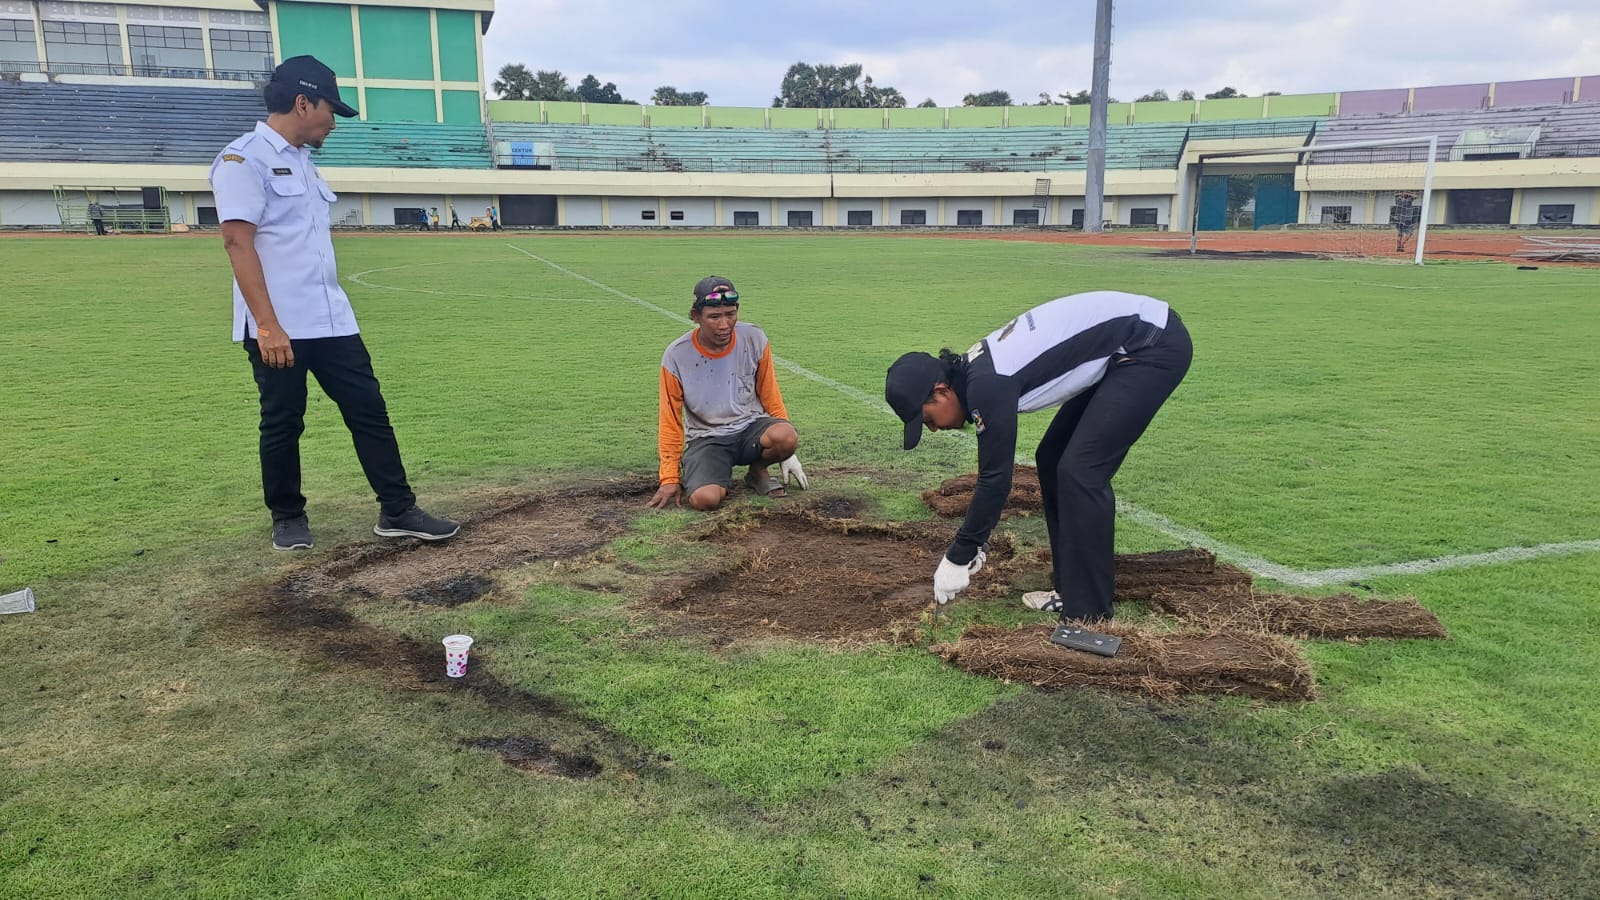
<point x="516" y="111"/>
<point x="737" y="117"/>
<point x="615" y="114"/>
<point x="458" y="45"/>
<point x="461" y="107"/>
<point x="675" y="116"/>
<point x="917" y="117"/>
<point x="1300" y="105"/>
<point x="1231" y="108"/>
<point x="977" y="116"/>
<point x="857" y="118"/>
<point x="1021" y="116"/>
<point x="795" y="118"/>
<point x="558" y="113"/>
<point x="396" y="43"/>
<point x="322" y="30"/>
<point x="1163" y="111"/>
<point x="400" y="105"/>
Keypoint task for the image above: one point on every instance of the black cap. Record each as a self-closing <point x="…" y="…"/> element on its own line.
<point x="907" y="386"/>
<point x="710" y="285"/>
<point x="307" y="75"/>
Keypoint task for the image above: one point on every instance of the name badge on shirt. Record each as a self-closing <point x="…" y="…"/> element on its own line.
<point x="282" y="172"/>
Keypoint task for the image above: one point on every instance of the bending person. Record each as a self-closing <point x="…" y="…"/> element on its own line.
<point x="719" y="388"/>
<point x="1107" y="360"/>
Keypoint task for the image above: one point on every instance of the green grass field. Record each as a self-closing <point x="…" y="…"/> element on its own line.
<point x="1337" y="415"/>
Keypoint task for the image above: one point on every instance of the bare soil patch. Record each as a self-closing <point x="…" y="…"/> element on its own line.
<point x="513" y="532"/>
<point x="1162" y="664"/>
<point x="792" y="572"/>
<point x="533" y="755"/>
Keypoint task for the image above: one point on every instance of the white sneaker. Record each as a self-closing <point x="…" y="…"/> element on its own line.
<point x="1043" y="601"/>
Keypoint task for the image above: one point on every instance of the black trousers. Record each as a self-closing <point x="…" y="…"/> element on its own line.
<point x="1080" y="452"/>
<point x="99" y="226"/>
<point x="343" y="368"/>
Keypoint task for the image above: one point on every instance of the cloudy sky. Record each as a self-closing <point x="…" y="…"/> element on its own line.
<point x="738" y="50"/>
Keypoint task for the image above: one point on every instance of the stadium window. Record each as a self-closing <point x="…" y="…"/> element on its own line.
<point x="159" y="49"/>
<point x="1142" y="215"/>
<point x="207" y="214"/>
<point x="969" y="217"/>
<point x="799" y="218"/>
<point x="241" y="50"/>
<point x="648" y="215"/>
<point x="1555" y="213"/>
<point x="746" y="218"/>
<point x="1336" y="215"/>
<point x="913" y="217"/>
<point x="676" y="215"/>
<point x="83" y="43"/>
<point x="1024" y="217"/>
<point x="408" y="216"/>
<point x="858" y="217"/>
<point x="1077" y="218"/>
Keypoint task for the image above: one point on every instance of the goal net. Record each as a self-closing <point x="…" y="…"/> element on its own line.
<point x="1365" y="199"/>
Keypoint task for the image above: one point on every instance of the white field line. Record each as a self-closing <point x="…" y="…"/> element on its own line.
<point x="1153" y="520"/>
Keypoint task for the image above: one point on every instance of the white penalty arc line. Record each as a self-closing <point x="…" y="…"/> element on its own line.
<point x="1154" y="520"/>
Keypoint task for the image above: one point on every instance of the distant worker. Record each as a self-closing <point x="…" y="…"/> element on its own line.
<point x="494" y="219"/>
<point x="1106" y="361"/>
<point x="435" y="214"/>
<point x="292" y="314"/>
<point x="97" y="215"/>
<point x="719" y="388"/>
<point x="1405" y="214"/>
<point x="455" y="221"/>
<point x="423" y="219"/>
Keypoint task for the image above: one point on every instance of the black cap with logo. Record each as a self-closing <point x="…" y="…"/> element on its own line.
<point x="307" y="75"/>
<point x="910" y="380"/>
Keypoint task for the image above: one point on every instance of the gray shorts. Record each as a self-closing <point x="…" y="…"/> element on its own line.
<point x="710" y="460"/>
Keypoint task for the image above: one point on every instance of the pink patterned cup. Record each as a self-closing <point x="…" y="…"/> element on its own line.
<point x="455" y="655"/>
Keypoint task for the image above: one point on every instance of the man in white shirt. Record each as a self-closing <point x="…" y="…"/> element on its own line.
<point x="290" y="312"/>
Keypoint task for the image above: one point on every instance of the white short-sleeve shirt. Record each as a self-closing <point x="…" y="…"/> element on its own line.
<point x="264" y="180"/>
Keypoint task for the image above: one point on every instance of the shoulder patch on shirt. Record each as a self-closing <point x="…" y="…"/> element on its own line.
<point x="232" y="157"/>
<point x="976" y="418"/>
<point x="282" y="172"/>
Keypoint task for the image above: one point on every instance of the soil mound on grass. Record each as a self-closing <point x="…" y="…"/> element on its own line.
<point x="951" y="498"/>
<point x="1139" y="576"/>
<point x="798" y="574"/>
<point x="1161" y="664"/>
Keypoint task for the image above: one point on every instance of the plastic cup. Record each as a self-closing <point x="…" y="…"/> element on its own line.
<point x="455" y="655"/>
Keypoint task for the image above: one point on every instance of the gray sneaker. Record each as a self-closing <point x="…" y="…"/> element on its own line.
<point x="415" y="523"/>
<point x="291" y="534"/>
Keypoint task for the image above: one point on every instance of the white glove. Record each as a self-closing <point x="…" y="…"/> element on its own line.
<point x="790" y="468"/>
<point x="976" y="565"/>
<point x="950" y="580"/>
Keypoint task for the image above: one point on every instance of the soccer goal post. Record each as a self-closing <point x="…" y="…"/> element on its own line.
<point x="1364" y="199"/>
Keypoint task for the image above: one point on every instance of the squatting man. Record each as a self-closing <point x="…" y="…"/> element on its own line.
<point x="719" y="390"/>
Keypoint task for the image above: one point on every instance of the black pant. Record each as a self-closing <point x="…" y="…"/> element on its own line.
<point x="343" y="368"/>
<point x="1080" y="452"/>
<point x="99" y="226"/>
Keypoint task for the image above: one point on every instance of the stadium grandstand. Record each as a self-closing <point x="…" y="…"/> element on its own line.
<point x="127" y="103"/>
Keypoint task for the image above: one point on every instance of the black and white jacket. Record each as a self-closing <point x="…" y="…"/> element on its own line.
<point x="1040" y="360"/>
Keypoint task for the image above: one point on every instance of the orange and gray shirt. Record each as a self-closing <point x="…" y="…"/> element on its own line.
<point x="705" y="394"/>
